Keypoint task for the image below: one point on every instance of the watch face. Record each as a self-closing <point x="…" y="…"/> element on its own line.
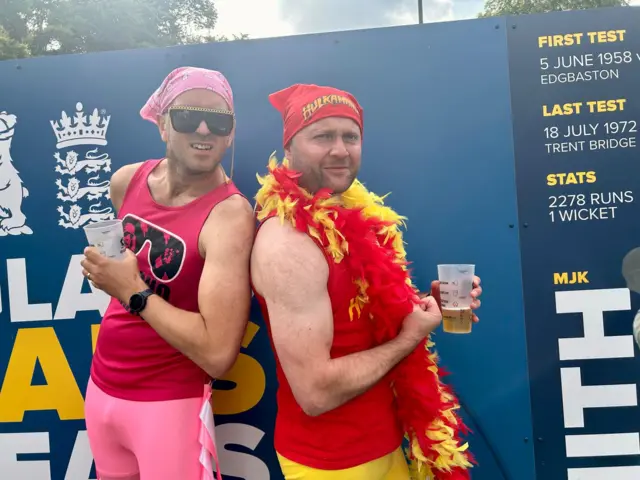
<point x="136" y="302"/>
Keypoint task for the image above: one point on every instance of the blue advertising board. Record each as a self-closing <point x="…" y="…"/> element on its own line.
<point x="576" y="117"/>
<point x="417" y="142"/>
<point x="442" y="139"/>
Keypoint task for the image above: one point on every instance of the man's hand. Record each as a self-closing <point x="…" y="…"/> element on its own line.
<point x="475" y="294"/>
<point x="424" y="319"/>
<point x="118" y="278"/>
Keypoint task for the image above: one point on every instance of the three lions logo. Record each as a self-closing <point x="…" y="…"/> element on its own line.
<point x="74" y="191"/>
<point x="12" y="191"/>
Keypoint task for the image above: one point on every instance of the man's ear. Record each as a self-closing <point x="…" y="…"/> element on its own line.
<point x="162" y="127"/>
<point x="231" y="137"/>
<point x="287" y="149"/>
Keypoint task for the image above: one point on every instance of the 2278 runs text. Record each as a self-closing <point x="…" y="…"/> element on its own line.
<point x="583" y="207"/>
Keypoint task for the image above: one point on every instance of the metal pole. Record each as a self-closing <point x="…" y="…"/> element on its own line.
<point x="420" y="17"/>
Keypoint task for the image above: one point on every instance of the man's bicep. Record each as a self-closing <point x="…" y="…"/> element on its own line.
<point x="302" y="336"/>
<point x="223" y="283"/>
<point x="224" y="293"/>
<point x="299" y="307"/>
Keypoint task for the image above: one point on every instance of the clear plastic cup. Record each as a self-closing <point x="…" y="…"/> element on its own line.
<point x="456" y="283"/>
<point x="107" y="237"/>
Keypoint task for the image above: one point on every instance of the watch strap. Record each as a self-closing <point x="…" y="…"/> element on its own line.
<point x="145" y="294"/>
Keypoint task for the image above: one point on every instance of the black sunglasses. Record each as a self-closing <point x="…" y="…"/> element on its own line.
<point x="187" y="120"/>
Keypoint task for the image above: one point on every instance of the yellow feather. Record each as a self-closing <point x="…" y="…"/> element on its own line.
<point x="449" y="453"/>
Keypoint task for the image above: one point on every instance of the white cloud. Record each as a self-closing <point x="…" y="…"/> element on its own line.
<point x="272" y="18"/>
<point x="258" y="18"/>
<point x="311" y="16"/>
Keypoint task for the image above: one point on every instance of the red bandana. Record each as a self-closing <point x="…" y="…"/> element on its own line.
<point x="301" y="105"/>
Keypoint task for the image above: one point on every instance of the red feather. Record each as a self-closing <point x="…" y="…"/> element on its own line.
<point x="391" y="299"/>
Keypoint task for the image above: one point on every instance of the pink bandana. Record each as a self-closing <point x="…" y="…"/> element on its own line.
<point x="179" y="81"/>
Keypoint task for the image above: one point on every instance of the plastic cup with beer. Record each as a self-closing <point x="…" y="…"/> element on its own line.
<point x="456" y="283"/>
<point x="108" y="237"/>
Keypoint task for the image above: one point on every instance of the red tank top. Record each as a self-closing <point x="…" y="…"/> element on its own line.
<point x="131" y="361"/>
<point x="361" y="430"/>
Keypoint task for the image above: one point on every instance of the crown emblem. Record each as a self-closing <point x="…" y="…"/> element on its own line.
<point x="80" y="130"/>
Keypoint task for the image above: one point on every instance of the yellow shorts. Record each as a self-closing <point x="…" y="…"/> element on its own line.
<point x="389" y="467"/>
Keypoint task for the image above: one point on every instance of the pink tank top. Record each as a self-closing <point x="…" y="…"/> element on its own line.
<point x="131" y="361"/>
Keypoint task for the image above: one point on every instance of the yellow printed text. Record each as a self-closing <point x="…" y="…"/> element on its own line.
<point x="606" y="36"/>
<point x="571" y="178"/>
<point x="602" y="106"/>
<point x="573" y="108"/>
<point x="61" y="392"/>
<point x="309" y="109"/>
<point x="564" y="278"/>
<point x="249" y="379"/>
<point x="94" y="336"/>
<point x="565" y="40"/>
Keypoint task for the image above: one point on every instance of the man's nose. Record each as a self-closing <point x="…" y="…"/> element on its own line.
<point x="339" y="149"/>
<point x="203" y="129"/>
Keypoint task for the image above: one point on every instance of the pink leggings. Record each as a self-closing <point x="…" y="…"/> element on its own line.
<point x="143" y="440"/>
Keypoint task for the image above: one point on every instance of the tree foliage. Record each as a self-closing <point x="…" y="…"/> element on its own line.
<point x="49" y="27"/>
<point x="11" y="48"/>
<point x="494" y="8"/>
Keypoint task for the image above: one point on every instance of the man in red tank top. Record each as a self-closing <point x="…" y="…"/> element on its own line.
<point x="328" y="270"/>
<point x="181" y="296"/>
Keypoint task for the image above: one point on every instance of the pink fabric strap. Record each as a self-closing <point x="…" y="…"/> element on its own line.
<point x="208" y="452"/>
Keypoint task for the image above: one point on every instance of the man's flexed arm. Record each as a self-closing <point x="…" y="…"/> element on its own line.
<point x="211" y="337"/>
<point x="291" y="274"/>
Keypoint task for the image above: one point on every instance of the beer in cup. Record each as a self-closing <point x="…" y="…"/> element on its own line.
<point x="456" y="283"/>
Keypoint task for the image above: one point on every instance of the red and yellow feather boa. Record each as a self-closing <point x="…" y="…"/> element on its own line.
<point x="357" y="228"/>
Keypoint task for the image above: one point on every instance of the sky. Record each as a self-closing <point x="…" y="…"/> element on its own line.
<point x="274" y="18"/>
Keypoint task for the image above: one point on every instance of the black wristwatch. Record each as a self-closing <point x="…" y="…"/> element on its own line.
<point x="138" y="301"/>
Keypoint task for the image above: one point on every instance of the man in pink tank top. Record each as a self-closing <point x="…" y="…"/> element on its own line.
<point x="181" y="296"/>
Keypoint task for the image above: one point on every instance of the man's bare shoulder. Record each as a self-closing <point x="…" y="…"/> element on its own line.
<point x="232" y="213"/>
<point x="120" y="182"/>
<point x="235" y="206"/>
<point x="287" y="257"/>
<point x="230" y="226"/>
<point x="276" y="238"/>
<point x="124" y="174"/>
